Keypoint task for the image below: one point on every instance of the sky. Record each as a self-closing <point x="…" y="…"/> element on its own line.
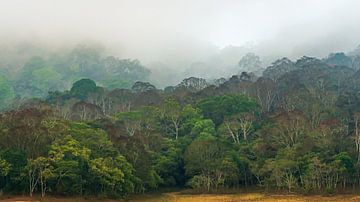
<point x="154" y="30"/>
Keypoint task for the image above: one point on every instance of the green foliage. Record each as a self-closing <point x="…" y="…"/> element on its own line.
<point x="114" y="175"/>
<point x="216" y="108"/>
<point x="170" y="115"/>
<point x="189" y="117"/>
<point x="67" y="147"/>
<point x="112" y="84"/>
<point x="281" y="173"/>
<point x="198" y="182"/>
<point x="167" y="163"/>
<point x="82" y="88"/>
<point x="4" y="168"/>
<point x="94" y="139"/>
<point x="123" y="73"/>
<point x="14" y="180"/>
<point x="39" y="75"/>
<point x="204" y="127"/>
<point x="37" y="78"/>
<point x="34" y="63"/>
<point x="207" y="165"/>
<point x="46" y="79"/>
<point x="6" y="92"/>
<point x="133" y="141"/>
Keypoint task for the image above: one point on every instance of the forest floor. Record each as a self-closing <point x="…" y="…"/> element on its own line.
<point x="179" y="197"/>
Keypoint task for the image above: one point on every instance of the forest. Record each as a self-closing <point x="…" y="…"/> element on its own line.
<point x="84" y="124"/>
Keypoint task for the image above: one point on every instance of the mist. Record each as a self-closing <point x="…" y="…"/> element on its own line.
<point x="183" y="35"/>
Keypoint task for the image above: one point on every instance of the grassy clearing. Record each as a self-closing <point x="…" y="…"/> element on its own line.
<point x="178" y="197"/>
<point x="250" y="197"/>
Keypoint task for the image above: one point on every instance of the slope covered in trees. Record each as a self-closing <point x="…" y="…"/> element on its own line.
<point x="111" y="133"/>
<point x="35" y="76"/>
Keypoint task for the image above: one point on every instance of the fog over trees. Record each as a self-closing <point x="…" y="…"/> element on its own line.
<point x="117" y="98"/>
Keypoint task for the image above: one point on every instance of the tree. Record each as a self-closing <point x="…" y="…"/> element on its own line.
<point x="193" y="84"/>
<point x="94" y="139"/>
<point x="290" y="129"/>
<point x="86" y="111"/>
<point x="140" y="87"/>
<point x="122" y="100"/>
<point x="279" y="68"/>
<point x="265" y="92"/>
<point x="239" y="124"/>
<point x="131" y="121"/>
<point x="204" y="160"/>
<point x="39" y="172"/>
<point x="142" y="121"/>
<point x="321" y="174"/>
<point x="189" y="117"/>
<point x="5" y="168"/>
<point x="357" y="133"/>
<point x="113" y="174"/>
<point x="46" y="79"/>
<point x="6" y="92"/>
<point x="123" y="73"/>
<point x="282" y="172"/>
<point x="138" y="153"/>
<point x="171" y="113"/>
<point x="28" y="130"/>
<point x="339" y="59"/>
<point x="14" y="179"/>
<point x="37" y="78"/>
<point x="82" y="88"/>
<point x="167" y="161"/>
<point x="250" y="63"/>
<point x="101" y="99"/>
<point x="68" y="176"/>
<point x="149" y="120"/>
<point x="344" y="166"/>
<point x="216" y="108"/>
<point x="83" y="61"/>
<point x="203" y="127"/>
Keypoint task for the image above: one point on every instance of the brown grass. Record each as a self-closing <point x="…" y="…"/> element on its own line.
<point x="249" y="197"/>
<point x="178" y="197"/>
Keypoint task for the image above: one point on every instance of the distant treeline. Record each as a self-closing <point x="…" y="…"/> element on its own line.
<point x="57" y="72"/>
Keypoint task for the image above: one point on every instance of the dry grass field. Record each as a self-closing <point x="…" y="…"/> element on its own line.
<point x="177" y="197"/>
<point x="250" y="197"/>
